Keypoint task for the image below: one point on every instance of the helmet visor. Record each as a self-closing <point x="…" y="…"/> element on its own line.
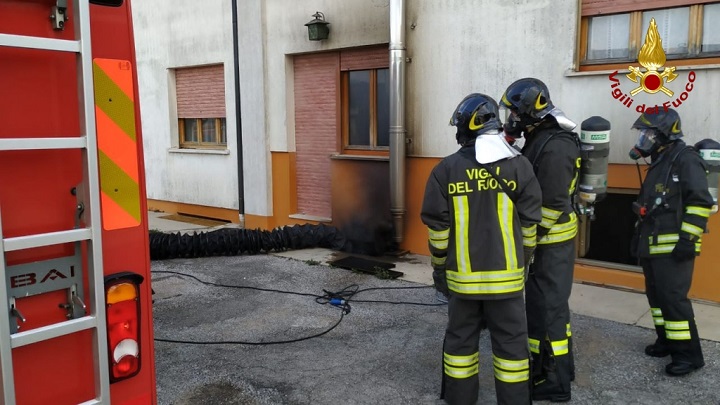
<point x="646" y="143"/>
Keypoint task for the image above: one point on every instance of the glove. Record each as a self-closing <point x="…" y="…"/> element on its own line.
<point x="542" y="231"/>
<point x="441" y="282"/>
<point x="528" y="255"/>
<point x="684" y="250"/>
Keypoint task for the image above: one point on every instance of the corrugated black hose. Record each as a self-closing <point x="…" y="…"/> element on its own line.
<point x="236" y="242"/>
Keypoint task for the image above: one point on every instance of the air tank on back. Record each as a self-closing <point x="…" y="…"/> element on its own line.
<point x="710" y="151"/>
<point x="594" y="148"/>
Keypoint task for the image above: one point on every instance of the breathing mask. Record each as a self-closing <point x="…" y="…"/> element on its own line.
<point x="646" y="144"/>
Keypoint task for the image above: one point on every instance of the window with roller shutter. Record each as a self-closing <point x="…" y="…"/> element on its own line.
<point x="201" y="107"/>
<point x="613" y="31"/>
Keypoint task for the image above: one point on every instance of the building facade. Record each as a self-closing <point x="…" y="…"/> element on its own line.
<point x="314" y="115"/>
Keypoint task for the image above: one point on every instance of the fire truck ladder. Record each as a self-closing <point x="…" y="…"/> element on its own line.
<point x="88" y="207"/>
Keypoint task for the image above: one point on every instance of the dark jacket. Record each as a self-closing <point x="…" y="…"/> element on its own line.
<point x="555" y="156"/>
<point x="477" y="231"/>
<point x="674" y="201"/>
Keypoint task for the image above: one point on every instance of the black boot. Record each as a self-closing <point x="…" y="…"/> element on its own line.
<point x="555" y="387"/>
<point x="547" y="391"/>
<point x="679" y="368"/>
<point x="660" y="348"/>
<point x="687" y="355"/>
<point x="657" y="350"/>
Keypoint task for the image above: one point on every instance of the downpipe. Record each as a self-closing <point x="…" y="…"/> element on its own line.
<point x="397" y="130"/>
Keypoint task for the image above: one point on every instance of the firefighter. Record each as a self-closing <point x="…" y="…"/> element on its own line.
<point x="481" y="205"/>
<point x="673" y="208"/>
<point x="553" y="150"/>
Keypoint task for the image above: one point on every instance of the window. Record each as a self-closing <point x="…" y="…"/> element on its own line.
<point x="365" y="109"/>
<point x="202" y="132"/>
<point x="201" y="107"/>
<point x="607" y="239"/>
<point x="613" y="32"/>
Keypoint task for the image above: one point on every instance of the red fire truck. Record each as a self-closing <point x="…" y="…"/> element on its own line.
<point x="75" y="295"/>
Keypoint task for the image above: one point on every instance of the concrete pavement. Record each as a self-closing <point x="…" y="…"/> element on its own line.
<point x="224" y="337"/>
<point x="626" y="307"/>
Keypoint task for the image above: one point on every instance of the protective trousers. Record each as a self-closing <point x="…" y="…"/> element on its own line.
<point x="506" y="321"/>
<point x="547" y="292"/>
<point x="667" y="283"/>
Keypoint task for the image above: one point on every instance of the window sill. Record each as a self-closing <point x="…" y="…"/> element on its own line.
<point x="377" y="158"/>
<point x="605" y="72"/>
<point x="199" y="151"/>
<point x="304" y="217"/>
<point x="609" y="265"/>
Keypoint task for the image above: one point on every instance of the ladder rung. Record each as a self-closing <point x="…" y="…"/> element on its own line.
<point x="43" y="143"/>
<point x="48" y="44"/>
<point x="46" y="239"/>
<point x="52" y="331"/>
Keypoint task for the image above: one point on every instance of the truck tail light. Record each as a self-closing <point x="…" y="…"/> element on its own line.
<point x="122" y="308"/>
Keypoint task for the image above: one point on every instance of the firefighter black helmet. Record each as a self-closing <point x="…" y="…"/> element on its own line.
<point x="667" y="123"/>
<point x="475" y="115"/>
<point x="529" y="97"/>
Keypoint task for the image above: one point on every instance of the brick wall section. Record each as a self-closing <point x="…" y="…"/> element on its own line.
<point x="200" y="92"/>
<point x="316" y="129"/>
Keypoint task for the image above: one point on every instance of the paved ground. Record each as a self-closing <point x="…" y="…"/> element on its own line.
<point x="380" y="353"/>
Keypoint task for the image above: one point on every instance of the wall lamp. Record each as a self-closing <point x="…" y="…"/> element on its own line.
<point x="318" y="28"/>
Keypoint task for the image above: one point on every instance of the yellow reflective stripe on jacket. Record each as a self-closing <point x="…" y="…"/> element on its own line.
<point x="657" y="316"/>
<point x="561" y="232"/>
<point x="549" y="217"/>
<point x="660" y="249"/>
<point x="440" y="245"/>
<point x="439" y="235"/>
<point x="462" y="242"/>
<point x="486" y="288"/>
<point x="461" y="366"/>
<point x="665" y="238"/>
<point x="505" y="219"/>
<point x="485" y="276"/>
<point x="691" y="229"/>
<point x="560" y="347"/>
<point x="530" y="235"/>
<point x="567" y="330"/>
<point x="666" y="243"/>
<point x="439" y="239"/>
<point x="534" y="345"/>
<point x="699" y="211"/>
<point x="437" y="261"/>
